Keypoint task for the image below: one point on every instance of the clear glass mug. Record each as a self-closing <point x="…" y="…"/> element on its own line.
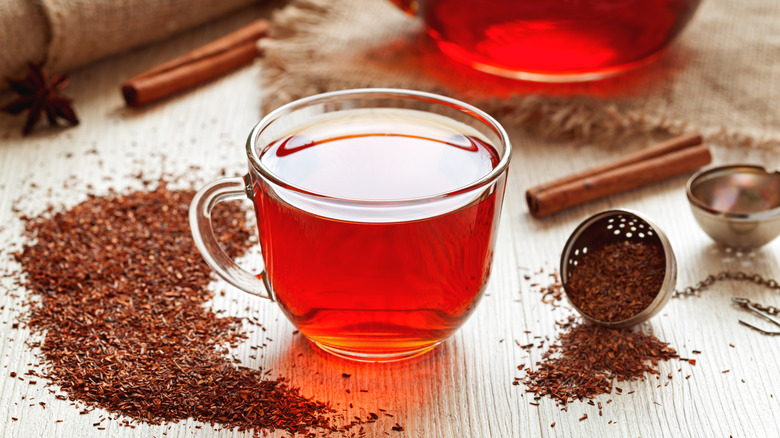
<point x="553" y="40"/>
<point x="377" y="213"/>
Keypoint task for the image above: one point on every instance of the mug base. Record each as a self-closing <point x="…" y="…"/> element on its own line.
<point x="546" y="76"/>
<point x="375" y="357"/>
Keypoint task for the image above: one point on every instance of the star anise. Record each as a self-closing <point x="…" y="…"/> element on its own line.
<point x="40" y="94"/>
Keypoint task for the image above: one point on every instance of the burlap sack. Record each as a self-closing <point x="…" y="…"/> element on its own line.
<point x="722" y="76"/>
<point x="70" y="33"/>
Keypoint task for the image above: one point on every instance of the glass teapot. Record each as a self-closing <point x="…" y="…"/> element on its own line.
<point x="553" y="40"/>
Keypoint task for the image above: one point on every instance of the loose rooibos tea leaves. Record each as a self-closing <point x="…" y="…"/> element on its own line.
<point x="118" y="297"/>
<point x="587" y="359"/>
<point x="617" y="281"/>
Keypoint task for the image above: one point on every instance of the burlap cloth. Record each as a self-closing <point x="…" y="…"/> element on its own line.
<point x="69" y="33"/>
<point x="722" y="75"/>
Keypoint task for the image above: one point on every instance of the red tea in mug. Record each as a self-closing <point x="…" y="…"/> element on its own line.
<point x="392" y="278"/>
<point x="553" y="39"/>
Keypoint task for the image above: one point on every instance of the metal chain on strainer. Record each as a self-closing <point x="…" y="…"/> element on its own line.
<point x="630" y="229"/>
<point x="736" y="276"/>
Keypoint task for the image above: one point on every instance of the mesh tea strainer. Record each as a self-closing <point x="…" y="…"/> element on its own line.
<point x="604" y="252"/>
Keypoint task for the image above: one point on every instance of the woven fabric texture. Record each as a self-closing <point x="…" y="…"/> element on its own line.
<point x="721" y="76"/>
<point x="70" y="33"/>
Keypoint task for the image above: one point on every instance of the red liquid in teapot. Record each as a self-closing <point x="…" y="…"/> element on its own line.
<point x="553" y="40"/>
<point x="387" y="285"/>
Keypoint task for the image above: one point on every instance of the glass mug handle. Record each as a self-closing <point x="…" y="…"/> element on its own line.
<point x="225" y="189"/>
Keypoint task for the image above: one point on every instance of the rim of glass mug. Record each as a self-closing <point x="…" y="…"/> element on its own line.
<point x="333" y="96"/>
<point x="234" y="188"/>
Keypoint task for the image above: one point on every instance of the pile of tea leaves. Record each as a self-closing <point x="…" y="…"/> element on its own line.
<point x="585" y="360"/>
<point x="117" y="293"/>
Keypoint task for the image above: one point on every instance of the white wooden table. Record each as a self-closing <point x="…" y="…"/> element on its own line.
<point x="464" y="387"/>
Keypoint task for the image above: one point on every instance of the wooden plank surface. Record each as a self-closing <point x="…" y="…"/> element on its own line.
<point x="464" y="387"/>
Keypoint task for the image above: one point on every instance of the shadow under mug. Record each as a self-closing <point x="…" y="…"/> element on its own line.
<point x="377" y="214"/>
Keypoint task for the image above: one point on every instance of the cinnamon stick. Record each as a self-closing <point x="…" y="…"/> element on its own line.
<point x="672" y="157"/>
<point x="209" y="61"/>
